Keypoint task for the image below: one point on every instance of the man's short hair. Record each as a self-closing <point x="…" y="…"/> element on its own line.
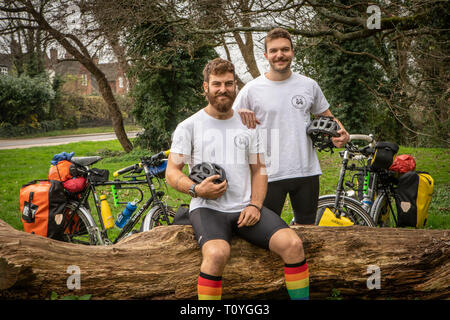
<point x="218" y="66"/>
<point x="276" y="34"/>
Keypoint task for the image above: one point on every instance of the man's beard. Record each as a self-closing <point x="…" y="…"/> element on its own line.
<point x="221" y="106"/>
<point x="281" y="69"/>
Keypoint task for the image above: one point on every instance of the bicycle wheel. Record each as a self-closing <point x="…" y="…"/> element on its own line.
<point x="348" y="207"/>
<point x="156" y="218"/>
<point x="82" y="229"/>
<point x="382" y="213"/>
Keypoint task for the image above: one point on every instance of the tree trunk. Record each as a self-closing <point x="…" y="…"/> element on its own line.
<point x="113" y="107"/>
<point x="82" y="55"/>
<point x="247" y="47"/>
<point x="164" y="264"/>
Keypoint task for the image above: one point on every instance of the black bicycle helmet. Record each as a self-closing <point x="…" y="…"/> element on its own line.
<point x="321" y="130"/>
<point x="204" y="170"/>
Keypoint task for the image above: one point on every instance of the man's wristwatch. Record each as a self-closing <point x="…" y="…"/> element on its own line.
<point x="192" y="192"/>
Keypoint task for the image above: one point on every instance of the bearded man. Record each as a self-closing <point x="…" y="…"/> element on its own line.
<point x="280" y="102"/>
<point x="218" y="211"/>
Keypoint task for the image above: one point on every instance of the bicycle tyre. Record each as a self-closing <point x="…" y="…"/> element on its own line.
<point x="154" y="218"/>
<point x="85" y="231"/>
<point x="381" y="211"/>
<point x="350" y="207"/>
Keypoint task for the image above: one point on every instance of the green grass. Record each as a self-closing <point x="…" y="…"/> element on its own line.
<point x="19" y="166"/>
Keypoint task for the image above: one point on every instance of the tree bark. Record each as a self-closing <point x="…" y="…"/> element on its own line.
<point x="164" y="264"/>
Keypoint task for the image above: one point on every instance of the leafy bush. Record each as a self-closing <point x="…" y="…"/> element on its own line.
<point x="92" y="110"/>
<point x="24" y="101"/>
<point x="32" y="105"/>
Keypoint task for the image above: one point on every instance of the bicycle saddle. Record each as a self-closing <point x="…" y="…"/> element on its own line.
<point x="85" y="161"/>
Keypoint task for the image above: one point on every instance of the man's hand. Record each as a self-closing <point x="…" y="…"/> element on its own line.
<point x="248" y="118"/>
<point x="209" y="190"/>
<point x="342" y="140"/>
<point x="249" y="217"/>
<point x="344" y="137"/>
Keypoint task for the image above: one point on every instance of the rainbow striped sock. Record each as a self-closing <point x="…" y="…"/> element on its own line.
<point x="209" y="287"/>
<point x="297" y="280"/>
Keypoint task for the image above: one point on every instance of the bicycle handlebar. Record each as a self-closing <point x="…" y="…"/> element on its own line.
<point x="367" y="138"/>
<point x="160" y="155"/>
<point x="126" y="169"/>
<point x="136" y="166"/>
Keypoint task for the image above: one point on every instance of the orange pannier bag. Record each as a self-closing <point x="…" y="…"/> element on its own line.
<point x="42" y="205"/>
<point x="61" y="171"/>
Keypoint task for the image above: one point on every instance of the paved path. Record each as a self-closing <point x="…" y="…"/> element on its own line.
<point x="57" y="140"/>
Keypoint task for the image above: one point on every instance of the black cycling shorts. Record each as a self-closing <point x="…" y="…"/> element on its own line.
<point x="304" y="195"/>
<point x="211" y="224"/>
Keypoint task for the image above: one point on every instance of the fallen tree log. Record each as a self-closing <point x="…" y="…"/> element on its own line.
<point x="348" y="262"/>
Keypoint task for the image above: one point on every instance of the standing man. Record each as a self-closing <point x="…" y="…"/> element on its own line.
<point x="282" y="102"/>
<point x="233" y="207"/>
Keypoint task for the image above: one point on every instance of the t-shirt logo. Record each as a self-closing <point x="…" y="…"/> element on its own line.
<point x="242" y="141"/>
<point x="298" y="101"/>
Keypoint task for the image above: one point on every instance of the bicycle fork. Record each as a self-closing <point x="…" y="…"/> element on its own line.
<point x="340" y="185"/>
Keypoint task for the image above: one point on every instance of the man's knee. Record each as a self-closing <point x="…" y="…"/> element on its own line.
<point x="293" y="243"/>
<point x="287" y="244"/>
<point x="216" y="252"/>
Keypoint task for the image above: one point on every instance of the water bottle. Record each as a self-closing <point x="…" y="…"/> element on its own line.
<point x="125" y="215"/>
<point x="108" y="220"/>
<point x="367" y="203"/>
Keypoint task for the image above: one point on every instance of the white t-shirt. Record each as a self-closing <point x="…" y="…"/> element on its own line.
<point x="227" y="143"/>
<point x="284" y="110"/>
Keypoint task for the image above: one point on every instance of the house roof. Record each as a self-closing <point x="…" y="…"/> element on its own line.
<point x="110" y="70"/>
<point x="70" y="67"/>
<point x="74" y="67"/>
<point x="5" y="60"/>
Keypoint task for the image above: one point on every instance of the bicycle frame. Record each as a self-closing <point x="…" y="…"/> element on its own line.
<point x="155" y="200"/>
<point x="340" y="185"/>
<point x="375" y="183"/>
<point x="368" y="191"/>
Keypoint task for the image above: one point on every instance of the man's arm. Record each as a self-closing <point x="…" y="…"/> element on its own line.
<point x="259" y="179"/>
<point x="344" y="137"/>
<point x="174" y="174"/>
<point x="181" y="182"/>
<point x="251" y="215"/>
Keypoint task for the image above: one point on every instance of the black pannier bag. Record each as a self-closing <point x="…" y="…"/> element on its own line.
<point x="99" y="175"/>
<point x="413" y="197"/>
<point x="384" y="155"/>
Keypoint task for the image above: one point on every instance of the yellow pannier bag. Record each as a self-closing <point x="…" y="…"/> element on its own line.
<point x="413" y="197"/>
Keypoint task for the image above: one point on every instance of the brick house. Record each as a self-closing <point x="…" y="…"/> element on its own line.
<point x="80" y="80"/>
